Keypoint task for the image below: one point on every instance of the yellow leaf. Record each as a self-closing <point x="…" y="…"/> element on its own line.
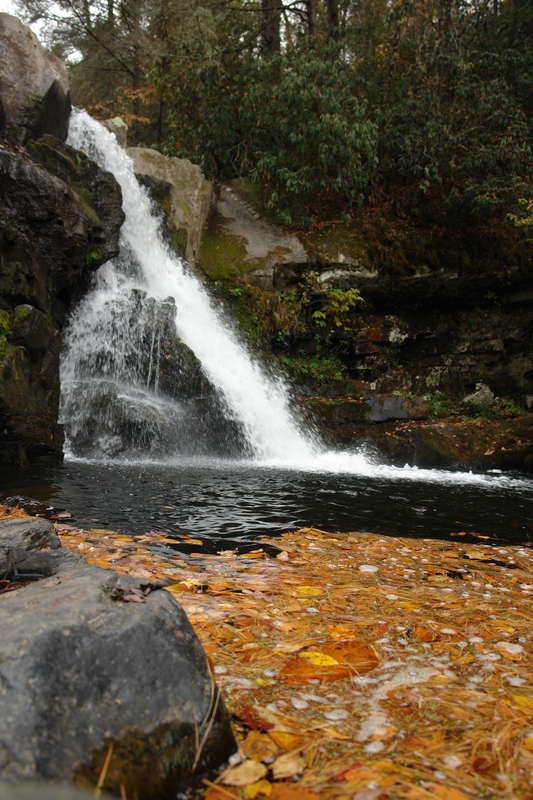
<point x="524" y="702"/>
<point x="309" y="591"/>
<point x="287" y="740"/>
<point x="319" y="659"/>
<point x="528" y="743"/>
<point x="261" y="787"/>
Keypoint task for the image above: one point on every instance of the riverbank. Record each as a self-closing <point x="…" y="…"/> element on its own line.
<point x="415" y="431"/>
<point x="357" y="665"/>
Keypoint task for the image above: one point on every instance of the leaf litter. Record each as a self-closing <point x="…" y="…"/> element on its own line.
<point x="412" y="679"/>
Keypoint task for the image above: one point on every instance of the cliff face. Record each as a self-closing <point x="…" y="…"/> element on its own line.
<point x="60" y="219"/>
<point x="434" y="338"/>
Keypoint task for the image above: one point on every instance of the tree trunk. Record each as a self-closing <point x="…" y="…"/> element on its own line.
<point x="311" y="18"/>
<point x="333" y="19"/>
<point x="271" y="10"/>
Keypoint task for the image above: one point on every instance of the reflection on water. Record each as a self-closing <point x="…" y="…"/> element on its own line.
<point x="229" y="504"/>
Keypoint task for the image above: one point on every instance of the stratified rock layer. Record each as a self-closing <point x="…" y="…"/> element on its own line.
<point x="90" y="659"/>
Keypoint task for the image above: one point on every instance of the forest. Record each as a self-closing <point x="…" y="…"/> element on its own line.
<point x="412" y="118"/>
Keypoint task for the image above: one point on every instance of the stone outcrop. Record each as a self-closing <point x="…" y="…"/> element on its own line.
<point x="119" y="128"/>
<point x="90" y="660"/>
<point x="34" y="91"/>
<point x="60" y="219"/>
<point x="183" y="193"/>
<point x="240" y="241"/>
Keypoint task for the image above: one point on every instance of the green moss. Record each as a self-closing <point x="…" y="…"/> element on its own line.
<point x="223" y="256"/>
<point x="331" y="243"/>
<point x="94" y="257"/>
<point x="5" y="324"/>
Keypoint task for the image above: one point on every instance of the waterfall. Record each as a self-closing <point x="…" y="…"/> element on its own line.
<point x="106" y="387"/>
<point x="152" y="370"/>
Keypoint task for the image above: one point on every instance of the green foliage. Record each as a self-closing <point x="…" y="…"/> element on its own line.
<point x="312" y="135"/>
<point x="336" y="308"/>
<point x="320" y="371"/>
<point x="440" y="405"/>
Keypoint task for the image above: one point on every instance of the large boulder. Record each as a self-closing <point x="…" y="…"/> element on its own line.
<point x="60" y="219"/>
<point x="30" y="345"/>
<point x="182" y="191"/>
<point x="93" y="665"/>
<point x="34" y="90"/>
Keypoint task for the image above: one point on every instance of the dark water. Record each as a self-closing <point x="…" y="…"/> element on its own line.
<point x="232" y="504"/>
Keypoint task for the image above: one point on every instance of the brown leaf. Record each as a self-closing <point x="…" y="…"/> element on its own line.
<point x="448" y="792"/>
<point x="287" y="766"/>
<point x="259" y="746"/>
<point x="248" y="772"/>
<point x="288" y="791"/>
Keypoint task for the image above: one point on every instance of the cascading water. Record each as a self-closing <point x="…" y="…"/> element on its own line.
<point x="132" y="390"/>
<point x="112" y="355"/>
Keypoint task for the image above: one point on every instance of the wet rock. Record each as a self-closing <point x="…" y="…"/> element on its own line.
<point x="34" y="88"/>
<point x="481" y="397"/>
<point x="383" y="409"/>
<point x="55" y="230"/>
<point x="188" y="199"/>
<point x="30" y="346"/>
<point x="89" y="660"/>
<point x="119" y="128"/>
<point x="162" y="194"/>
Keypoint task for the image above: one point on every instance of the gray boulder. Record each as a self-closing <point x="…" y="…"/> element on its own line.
<point x="119" y="128"/>
<point x="94" y="664"/>
<point x="186" y="203"/>
<point x="34" y="90"/>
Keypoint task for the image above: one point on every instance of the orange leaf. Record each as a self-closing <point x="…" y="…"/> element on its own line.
<point x="353" y="657"/>
<point x="287" y="740"/>
<point x="288" y="791"/>
<point x="448" y="792"/>
<point x="258" y="746"/>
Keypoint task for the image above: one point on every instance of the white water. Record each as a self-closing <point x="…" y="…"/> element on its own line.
<point x="257" y="401"/>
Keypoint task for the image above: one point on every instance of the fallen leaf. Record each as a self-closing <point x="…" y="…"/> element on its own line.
<point x="287" y="740"/>
<point x="426" y="634"/>
<point x="309" y="591"/>
<point x="318" y="659"/>
<point x="287" y="766"/>
<point x="510" y="651"/>
<point x="341" y="632"/>
<point x="479" y="555"/>
<point x="263" y="787"/>
<point x="448" y="792"/>
<point x="288" y="791"/>
<point x="258" y="746"/>
<point x="248" y="772"/>
<point x="524" y="703"/>
<point x="352" y="657"/>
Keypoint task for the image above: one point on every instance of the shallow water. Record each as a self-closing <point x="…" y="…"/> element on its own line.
<point x="230" y="504"/>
